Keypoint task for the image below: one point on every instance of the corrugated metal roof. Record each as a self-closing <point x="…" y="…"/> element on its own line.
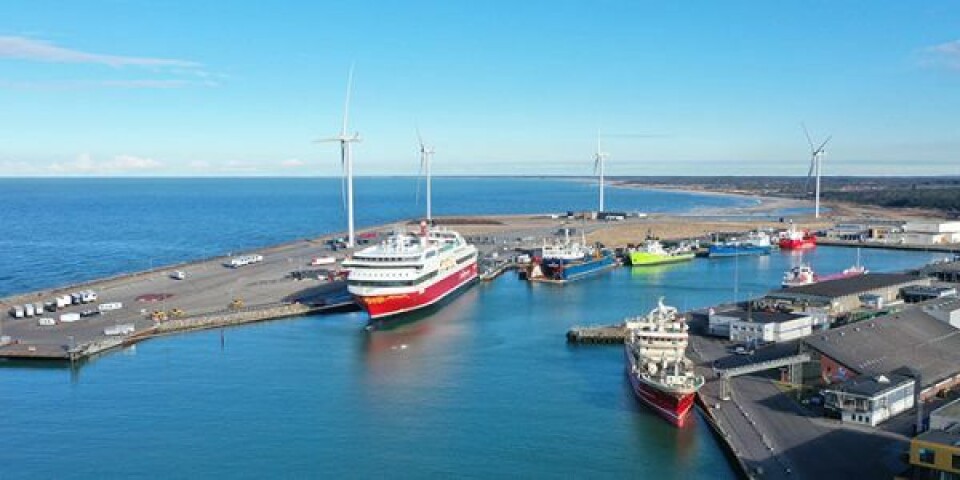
<point x="851" y="286"/>
<point x="910" y="338"/>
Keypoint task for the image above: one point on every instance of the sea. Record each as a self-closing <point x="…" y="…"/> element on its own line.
<point x="486" y="387"/>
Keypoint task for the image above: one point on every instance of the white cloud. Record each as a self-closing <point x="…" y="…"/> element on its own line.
<point x="292" y="163"/>
<point x="945" y="55"/>
<point x="84" y="164"/>
<point x="23" y="48"/>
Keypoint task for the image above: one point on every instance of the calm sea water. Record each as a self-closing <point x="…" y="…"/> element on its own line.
<point x="486" y="387"/>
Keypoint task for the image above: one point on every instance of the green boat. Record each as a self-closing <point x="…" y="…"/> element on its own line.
<point x="653" y="253"/>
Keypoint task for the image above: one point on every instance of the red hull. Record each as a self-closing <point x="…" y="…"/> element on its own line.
<point x="792" y="244"/>
<point x="673" y="408"/>
<point x="380" y="306"/>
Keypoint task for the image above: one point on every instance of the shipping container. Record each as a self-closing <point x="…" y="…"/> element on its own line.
<point x="28" y="310"/>
<point x="17" y="311"/>
<point x="46" y="322"/>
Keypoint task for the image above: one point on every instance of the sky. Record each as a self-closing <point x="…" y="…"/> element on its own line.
<point x="187" y="88"/>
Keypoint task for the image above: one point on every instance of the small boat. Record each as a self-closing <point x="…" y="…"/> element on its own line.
<point x="654" y="253"/>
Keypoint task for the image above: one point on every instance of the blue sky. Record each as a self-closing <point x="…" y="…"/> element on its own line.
<point x="130" y="87"/>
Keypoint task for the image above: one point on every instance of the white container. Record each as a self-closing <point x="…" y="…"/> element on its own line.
<point x="28" y="310"/>
<point x="46" y="322"/>
<point x="63" y="301"/>
<point x="105" y="307"/>
<point x="38" y="309"/>
<point x="70" y="317"/>
<point x="178" y="275"/>
<point x="16" y="311"/>
<point x="124" y="329"/>
<point x="88" y="296"/>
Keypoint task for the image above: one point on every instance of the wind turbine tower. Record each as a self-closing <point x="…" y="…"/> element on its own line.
<point x="816" y="161"/>
<point x="346" y="159"/>
<point x="598" y="164"/>
<point x="426" y="154"/>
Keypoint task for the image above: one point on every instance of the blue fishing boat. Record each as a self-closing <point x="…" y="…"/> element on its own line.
<point x="755" y="243"/>
<point x="568" y="261"/>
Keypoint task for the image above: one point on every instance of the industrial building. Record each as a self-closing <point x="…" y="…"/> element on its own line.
<point x="911" y="338"/>
<point x="835" y="297"/>
<point x="916" y="294"/>
<point x="870" y="400"/>
<point x="746" y="326"/>
<point x="947" y="272"/>
<point x="935" y="455"/>
<point x="927" y="233"/>
<point x="945" y="309"/>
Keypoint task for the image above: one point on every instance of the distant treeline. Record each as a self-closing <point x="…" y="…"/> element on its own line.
<point x="942" y="193"/>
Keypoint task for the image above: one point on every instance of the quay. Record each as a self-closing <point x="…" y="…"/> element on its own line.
<point x="946" y="248"/>
<point x="605" y="334"/>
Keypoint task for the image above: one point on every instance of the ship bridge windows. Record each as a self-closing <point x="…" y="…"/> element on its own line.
<point x="466" y="258"/>
<point x="392" y="283"/>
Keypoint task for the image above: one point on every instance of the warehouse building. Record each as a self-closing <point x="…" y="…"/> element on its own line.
<point x="834" y="297"/>
<point x="935" y="455"/>
<point x="908" y="339"/>
<point x="928" y="233"/>
<point x="946" y="417"/>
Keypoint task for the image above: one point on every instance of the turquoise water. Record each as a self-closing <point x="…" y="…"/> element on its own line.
<point x="61" y="231"/>
<point x="485" y="387"/>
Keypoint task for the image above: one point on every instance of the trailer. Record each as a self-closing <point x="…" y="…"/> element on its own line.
<point x="106" y="307"/>
<point x="70" y="317"/>
<point x="125" y="329"/>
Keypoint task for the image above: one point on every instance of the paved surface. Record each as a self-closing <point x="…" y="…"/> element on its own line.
<point x="210" y="286"/>
<point x="777" y="438"/>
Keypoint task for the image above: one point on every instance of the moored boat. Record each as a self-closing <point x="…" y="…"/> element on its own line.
<point x="661" y="375"/>
<point x="755" y="243"/>
<point x="792" y="239"/>
<point x="652" y="252"/>
<point x="407" y="271"/>
<point x="798" y="276"/>
<point x="567" y="261"/>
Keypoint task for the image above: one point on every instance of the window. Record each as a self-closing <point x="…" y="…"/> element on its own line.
<point x="927" y="455"/>
<point x="956" y="462"/>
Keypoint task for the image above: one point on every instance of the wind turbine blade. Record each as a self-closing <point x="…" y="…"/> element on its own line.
<point x="806" y="184"/>
<point x="805" y="132"/>
<point x="327" y="140"/>
<point x="419" y="178"/>
<point x="346" y="106"/>
<point x="824" y="144"/>
<point x="420" y="142"/>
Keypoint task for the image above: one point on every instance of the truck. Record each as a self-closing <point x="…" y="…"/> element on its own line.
<point x="70" y="317"/>
<point x="243" y="260"/>
<point x="28" y="310"/>
<point x="17" y="311"/>
<point x="178" y="275"/>
<point x="88" y="296"/>
<point x="63" y="301"/>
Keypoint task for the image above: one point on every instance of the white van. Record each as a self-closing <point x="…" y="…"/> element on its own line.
<point x="70" y="317"/>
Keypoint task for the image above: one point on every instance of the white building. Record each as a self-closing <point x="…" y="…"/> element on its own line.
<point x="928" y="233"/>
<point x="746" y="326"/>
<point x="870" y="400"/>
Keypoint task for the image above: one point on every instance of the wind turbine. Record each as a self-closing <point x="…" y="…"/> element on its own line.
<point x="598" y="163"/>
<point x="816" y="159"/>
<point x="426" y="154"/>
<point x="346" y="160"/>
